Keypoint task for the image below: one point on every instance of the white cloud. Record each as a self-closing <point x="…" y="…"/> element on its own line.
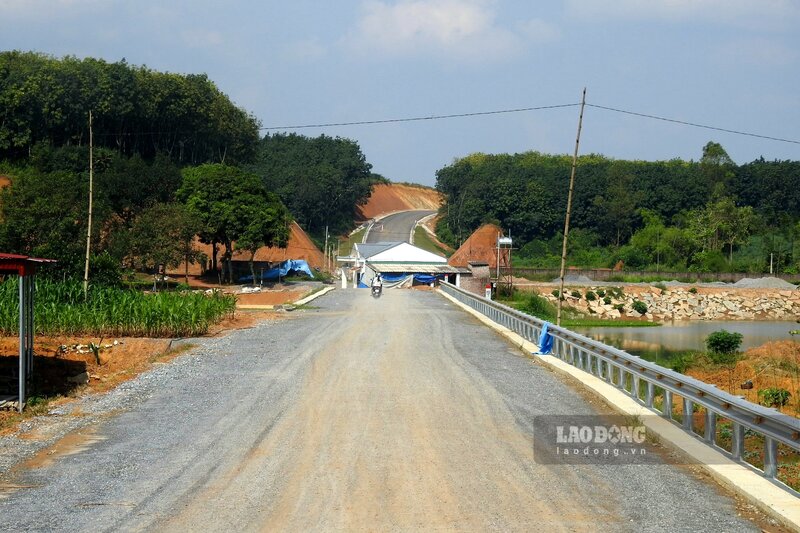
<point x="461" y="29"/>
<point x="737" y="12"/>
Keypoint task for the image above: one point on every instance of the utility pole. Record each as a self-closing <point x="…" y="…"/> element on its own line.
<point x="326" y="248"/>
<point x="569" y="208"/>
<point x="89" y="228"/>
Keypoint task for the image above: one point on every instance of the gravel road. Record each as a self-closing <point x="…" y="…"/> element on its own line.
<point x="400" y="414"/>
<point x="397" y="227"/>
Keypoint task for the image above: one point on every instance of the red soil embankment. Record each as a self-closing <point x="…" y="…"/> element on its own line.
<point x="388" y="198"/>
<point x="481" y="246"/>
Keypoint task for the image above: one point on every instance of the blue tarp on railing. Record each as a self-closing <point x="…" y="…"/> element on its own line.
<point x="287" y="268"/>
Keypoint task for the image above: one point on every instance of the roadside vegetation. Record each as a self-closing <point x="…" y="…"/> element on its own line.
<point x="534" y="304"/>
<point x="61" y="309"/>
<point x="423" y="240"/>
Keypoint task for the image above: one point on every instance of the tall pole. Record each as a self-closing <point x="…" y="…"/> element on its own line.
<point x="89" y="227"/>
<point x="569" y="208"/>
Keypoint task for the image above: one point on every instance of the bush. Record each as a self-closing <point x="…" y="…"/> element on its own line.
<point x="682" y="362"/>
<point x="620" y="307"/>
<point x="693" y="290"/>
<point x="723" y="342"/>
<point x="774" y="396"/>
<point x="576" y="294"/>
<point x="639" y="307"/>
<point x="601" y="293"/>
<point x="555" y="293"/>
<point x="590" y="296"/>
<point x="539" y="307"/>
<point x="607" y="300"/>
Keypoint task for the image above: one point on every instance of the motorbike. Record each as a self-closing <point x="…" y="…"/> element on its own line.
<point x="376" y="291"/>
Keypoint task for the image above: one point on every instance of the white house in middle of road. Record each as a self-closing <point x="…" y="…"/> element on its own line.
<point x="402" y="263"/>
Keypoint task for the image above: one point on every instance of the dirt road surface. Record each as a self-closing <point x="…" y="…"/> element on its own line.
<point x="397" y="414"/>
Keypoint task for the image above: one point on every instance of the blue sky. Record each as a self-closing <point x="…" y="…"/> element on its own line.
<point x="734" y="64"/>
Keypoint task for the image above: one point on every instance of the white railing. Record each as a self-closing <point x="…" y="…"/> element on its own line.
<point x="659" y="388"/>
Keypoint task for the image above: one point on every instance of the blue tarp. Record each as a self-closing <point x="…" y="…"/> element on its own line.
<point x="287" y="268"/>
<point x="545" y="340"/>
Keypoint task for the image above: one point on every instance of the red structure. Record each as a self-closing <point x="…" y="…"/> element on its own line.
<point x="24" y="267"/>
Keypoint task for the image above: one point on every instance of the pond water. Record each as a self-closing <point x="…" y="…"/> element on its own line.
<point x="662" y="343"/>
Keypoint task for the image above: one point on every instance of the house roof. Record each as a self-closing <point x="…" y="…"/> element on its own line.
<point x="406" y="253"/>
<point x="412" y="268"/>
<point x="21" y="264"/>
<point x="368" y="249"/>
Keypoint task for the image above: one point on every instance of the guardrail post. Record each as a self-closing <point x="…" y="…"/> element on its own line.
<point x="621" y="377"/>
<point x="666" y="407"/>
<point x="770" y="457"/>
<point x="737" y="440"/>
<point x="635" y="387"/>
<point x="651" y="390"/>
<point x="688" y="413"/>
<point x="711" y="426"/>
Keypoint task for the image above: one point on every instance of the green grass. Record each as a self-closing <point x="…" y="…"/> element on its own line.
<point x="60" y="309"/>
<point x="423" y="240"/>
<point x="536" y="305"/>
<point x="346" y="244"/>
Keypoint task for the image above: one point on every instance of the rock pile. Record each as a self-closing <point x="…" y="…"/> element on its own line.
<point x="683" y="304"/>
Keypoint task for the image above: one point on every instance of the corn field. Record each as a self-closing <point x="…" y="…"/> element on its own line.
<point x="60" y="309"/>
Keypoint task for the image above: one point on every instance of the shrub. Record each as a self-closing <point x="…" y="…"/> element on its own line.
<point x="639" y="307"/>
<point x="590" y="296"/>
<point x="539" y="307"/>
<point x="555" y="293"/>
<point x="601" y="293"/>
<point x="682" y="362"/>
<point x="576" y="294"/>
<point x="693" y="290"/>
<point x="620" y="307"/>
<point x="660" y="285"/>
<point x="774" y="396"/>
<point x="723" y="342"/>
<point x="607" y="300"/>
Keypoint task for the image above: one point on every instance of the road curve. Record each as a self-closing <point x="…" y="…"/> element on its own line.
<point x="396" y="227"/>
<point x="401" y="413"/>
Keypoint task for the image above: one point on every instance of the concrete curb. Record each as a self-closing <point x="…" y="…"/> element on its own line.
<point x="314" y="296"/>
<point x="757" y="490"/>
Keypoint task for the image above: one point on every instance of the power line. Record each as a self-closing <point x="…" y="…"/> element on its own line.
<point x="414" y="119"/>
<point x="693" y="124"/>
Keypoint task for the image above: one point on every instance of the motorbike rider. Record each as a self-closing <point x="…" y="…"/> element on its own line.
<point x="377" y="284"/>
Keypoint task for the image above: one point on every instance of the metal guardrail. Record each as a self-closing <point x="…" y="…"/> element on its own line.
<point x="643" y="381"/>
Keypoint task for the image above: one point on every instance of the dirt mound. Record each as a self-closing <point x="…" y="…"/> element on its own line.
<point x="387" y="198"/>
<point x="763" y="283"/>
<point x="300" y="246"/>
<point x="481" y="246"/>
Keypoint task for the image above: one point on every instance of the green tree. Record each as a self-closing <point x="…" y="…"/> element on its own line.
<point x="162" y="235"/>
<point x="321" y="180"/>
<point x="228" y="202"/>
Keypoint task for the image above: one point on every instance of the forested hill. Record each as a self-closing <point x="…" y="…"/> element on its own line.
<point x="706" y="215"/>
<point x="136" y="110"/>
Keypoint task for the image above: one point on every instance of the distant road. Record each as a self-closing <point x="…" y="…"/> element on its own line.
<point x="397" y="227"/>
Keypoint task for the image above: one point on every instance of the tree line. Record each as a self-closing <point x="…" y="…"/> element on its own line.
<point x="706" y="215"/>
<point x="173" y="158"/>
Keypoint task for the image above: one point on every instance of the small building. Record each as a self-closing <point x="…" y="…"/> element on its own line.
<point x="402" y="264"/>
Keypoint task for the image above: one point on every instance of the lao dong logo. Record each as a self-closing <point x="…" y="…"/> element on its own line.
<point x="600" y="434"/>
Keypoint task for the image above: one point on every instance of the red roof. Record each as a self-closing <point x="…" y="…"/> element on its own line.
<point x="22" y="265"/>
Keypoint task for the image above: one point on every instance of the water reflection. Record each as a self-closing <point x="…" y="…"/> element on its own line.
<point x="663" y="343"/>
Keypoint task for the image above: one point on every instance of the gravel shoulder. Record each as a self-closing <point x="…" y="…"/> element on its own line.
<point x="402" y="413"/>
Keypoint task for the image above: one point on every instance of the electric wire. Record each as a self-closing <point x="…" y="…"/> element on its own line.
<point x="416" y="119"/>
<point x="693" y="124"/>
